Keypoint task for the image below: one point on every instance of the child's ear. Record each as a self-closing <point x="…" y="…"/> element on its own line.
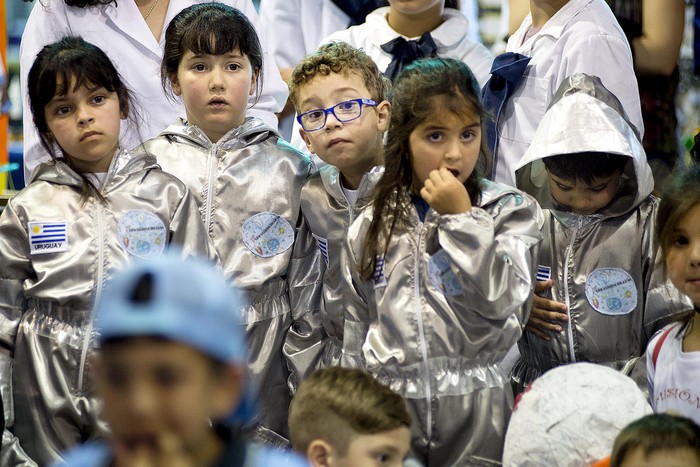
<point x="319" y="453"/>
<point x="307" y="140"/>
<point x="383" y="115"/>
<point x="175" y="85"/>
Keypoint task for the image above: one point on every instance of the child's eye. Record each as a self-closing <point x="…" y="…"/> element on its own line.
<point x="199" y="67"/>
<point x="435" y="136"/>
<point x="116" y="378"/>
<point x="166" y="378"/>
<point x="98" y="99"/>
<point x="563" y="187"/>
<point x="468" y="135"/>
<point x="383" y="458"/>
<point x="679" y="240"/>
<point x="598" y="189"/>
<point x="233" y="67"/>
<point x="63" y="110"/>
<point x="314" y="115"/>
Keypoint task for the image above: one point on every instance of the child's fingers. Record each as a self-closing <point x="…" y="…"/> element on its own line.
<point x="536" y="331"/>
<point x="541" y="286"/>
<point x="543" y="320"/>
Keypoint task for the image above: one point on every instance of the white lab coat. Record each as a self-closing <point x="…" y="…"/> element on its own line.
<point x="124" y="36"/>
<point x="583" y="36"/>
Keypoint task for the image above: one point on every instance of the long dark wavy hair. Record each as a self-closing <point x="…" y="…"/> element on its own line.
<point x="210" y="29"/>
<point x="680" y="193"/>
<point x="72" y="61"/>
<point x="423" y="89"/>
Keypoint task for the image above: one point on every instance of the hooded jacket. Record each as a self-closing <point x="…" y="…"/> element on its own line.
<point x="248" y="185"/>
<point x="604" y="266"/>
<point x="56" y="255"/>
<point x="447" y="301"/>
<point x="329" y="215"/>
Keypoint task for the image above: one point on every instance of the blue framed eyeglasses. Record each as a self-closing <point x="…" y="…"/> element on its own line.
<point x="344" y="112"/>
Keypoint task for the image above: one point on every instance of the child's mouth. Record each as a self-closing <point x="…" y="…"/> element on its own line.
<point x="454" y="172"/>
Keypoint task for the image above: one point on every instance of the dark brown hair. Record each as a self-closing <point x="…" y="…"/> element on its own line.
<point x="71" y="60"/>
<point x="337" y="404"/>
<point x="210" y="29"/>
<point x="423" y="89"/>
<point x="680" y="193"/>
<point x="340" y="58"/>
<point x="656" y="432"/>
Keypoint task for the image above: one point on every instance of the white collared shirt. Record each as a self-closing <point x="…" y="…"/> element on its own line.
<point x="123" y="35"/>
<point x="583" y="36"/>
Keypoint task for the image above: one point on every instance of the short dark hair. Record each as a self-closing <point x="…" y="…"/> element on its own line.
<point x="341" y="58"/>
<point x="656" y="432"/>
<point x="585" y="166"/>
<point x="337" y="404"/>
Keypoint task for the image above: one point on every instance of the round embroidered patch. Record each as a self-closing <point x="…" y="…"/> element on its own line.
<point x="442" y="276"/>
<point x="142" y="234"/>
<point x="266" y="234"/>
<point x="611" y="291"/>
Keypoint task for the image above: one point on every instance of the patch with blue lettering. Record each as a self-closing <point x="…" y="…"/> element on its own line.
<point x="611" y="291"/>
<point x="142" y="234"/>
<point x="267" y="234"/>
<point x="322" y="246"/>
<point x="47" y="237"/>
<point x="442" y="276"/>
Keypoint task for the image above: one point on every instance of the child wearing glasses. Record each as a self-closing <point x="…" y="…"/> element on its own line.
<point x="248" y="183"/>
<point x="339" y="96"/>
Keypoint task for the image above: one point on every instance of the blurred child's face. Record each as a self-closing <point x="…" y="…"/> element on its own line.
<point x="353" y="147"/>
<point x="445" y="140"/>
<point x="159" y="395"/>
<point x="677" y="457"/>
<point x="583" y="198"/>
<point x="85" y="124"/>
<point x="683" y="255"/>
<point x="386" y="449"/>
<point x="215" y="90"/>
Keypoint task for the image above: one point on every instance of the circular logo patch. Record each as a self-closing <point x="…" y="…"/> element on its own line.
<point x="142" y="234"/>
<point x="611" y="291"/>
<point x="266" y="234"/>
<point x="442" y="276"/>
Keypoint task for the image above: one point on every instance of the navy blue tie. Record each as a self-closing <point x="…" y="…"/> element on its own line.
<point x="506" y="73"/>
<point x="357" y="10"/>
<point x="406" y="52"/>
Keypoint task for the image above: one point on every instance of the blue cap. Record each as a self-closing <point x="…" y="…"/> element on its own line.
<point x="186" y="300"/>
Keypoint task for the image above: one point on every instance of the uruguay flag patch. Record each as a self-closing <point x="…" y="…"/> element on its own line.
<point x="48" y="237"/>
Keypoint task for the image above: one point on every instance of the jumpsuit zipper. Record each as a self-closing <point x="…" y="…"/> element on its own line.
<point x="421" y="333"/>
<point x="98" y="294"/>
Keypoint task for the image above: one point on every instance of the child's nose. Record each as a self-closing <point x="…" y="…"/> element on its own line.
<point x="217" y="80"/>
<point x="84" y="115"/>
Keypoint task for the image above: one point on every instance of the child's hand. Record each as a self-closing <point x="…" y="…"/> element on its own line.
<point x="544" y="314"/>
<point x="445" y="193"/>
<point x="165" y="451"/>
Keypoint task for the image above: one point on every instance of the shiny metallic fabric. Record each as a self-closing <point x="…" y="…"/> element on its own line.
<point x="47" y="300"/>
<point x="616" y="242"/>
<point x="448" y="300"/>
<point x="248" y="186"/>
<point x="329" y="215"/>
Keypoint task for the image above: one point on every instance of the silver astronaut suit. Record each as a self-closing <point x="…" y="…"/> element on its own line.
<point x="329" y="214"/>
<point x="248" y="185"/>
<point x="603" y="265"/>
<point x="56" y="254"/>
<point x="447" y="301"/>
